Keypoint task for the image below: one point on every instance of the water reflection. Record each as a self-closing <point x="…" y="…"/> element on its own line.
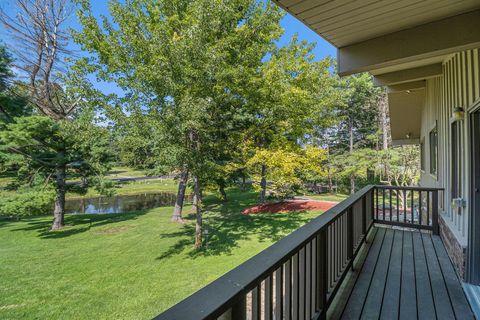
<point x="121" y="203"/>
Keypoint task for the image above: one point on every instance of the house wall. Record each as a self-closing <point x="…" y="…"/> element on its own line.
<point x="459" y="86"/>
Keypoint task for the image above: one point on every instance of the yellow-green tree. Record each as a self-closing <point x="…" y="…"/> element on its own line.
<point x="289" y="98"/>
<point x="279" y="168"/>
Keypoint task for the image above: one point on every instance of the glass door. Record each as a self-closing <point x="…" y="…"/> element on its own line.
<point x="473" y="270"/>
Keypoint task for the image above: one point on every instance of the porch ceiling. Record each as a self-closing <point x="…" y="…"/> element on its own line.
<point x="405" y="115"/>
<point x="345" y="22"/>
<point x="381" y="36"/>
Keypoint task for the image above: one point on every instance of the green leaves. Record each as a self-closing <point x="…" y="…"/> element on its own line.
<point x="30" y="202"/>
<point x="41" y="144"/>
<point x="184" y="66"/>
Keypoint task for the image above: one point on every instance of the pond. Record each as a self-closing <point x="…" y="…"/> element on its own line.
<point x="121" y="203"/>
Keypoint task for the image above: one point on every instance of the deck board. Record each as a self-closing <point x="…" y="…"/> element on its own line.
<point x="373" y="302"/>
<point x="443" y="305"/>
<point x="408" y="294"/>
<point x="459" y="301"/>
<point x="353" y="310"/>
<point x="407" y="275"/>
<point x="425" y="305"/>
<point x="391" y="298"/>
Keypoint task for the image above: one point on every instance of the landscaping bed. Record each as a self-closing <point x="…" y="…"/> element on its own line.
<point x="290" y="205"/>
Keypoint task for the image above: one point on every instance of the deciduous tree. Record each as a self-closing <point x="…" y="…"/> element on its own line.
<point x="184" y="64"/>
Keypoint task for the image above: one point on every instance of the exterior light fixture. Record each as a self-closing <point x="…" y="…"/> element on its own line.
<point x="408" y="135"/>
<point x="458" y="114"/>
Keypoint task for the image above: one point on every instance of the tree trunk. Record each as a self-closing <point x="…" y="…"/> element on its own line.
<point x="221" y="189"/>
<point x="182" y="186"/>
<point x="59" y="210"/>
<point x="244" y="185"/>
<point x="383" y="105"/>
<point x="350" y="133"/>
<point x="330" y="182"/>
<point x="352" y="184"/>
<point x="198" y="222"/>
<point x="263" y="184"/>
<point x="352" y="176"/>
<point x="385" y="128"/>
<point x="194" y="203"/>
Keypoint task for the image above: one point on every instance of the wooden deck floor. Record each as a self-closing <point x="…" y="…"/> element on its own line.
<point x="406" y="275"/>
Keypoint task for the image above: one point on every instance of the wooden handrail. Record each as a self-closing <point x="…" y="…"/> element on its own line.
<point x="300" y="274"/>
<point x="414" y="188"/>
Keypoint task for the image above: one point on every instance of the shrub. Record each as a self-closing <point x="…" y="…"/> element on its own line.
<point x="29" y="203"/>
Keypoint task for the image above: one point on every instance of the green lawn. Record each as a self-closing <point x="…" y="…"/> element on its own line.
<point x="136" y="187"/>
<point x="125" y="172"/>
<point x="121" y="188"/>
<point x="327" y="197"/>
<point x="126" y="266"/>
<point x="5" y="180"/>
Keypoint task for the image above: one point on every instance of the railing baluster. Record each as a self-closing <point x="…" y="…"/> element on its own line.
<point x="420" y="207"/>
<point x="315" y="275"/>
<point x="295" y="285"/>
<point x="268" y="298"/>
<point x="435" y="229"/>
<point x="376" y="204"/>
<point x="302" y="280"/>
<point x="350" y="241"/>
<point x="405" y="205"/>
<point x="322" y="267"/>
<point x="288" y="290"/>
<point x="428" y="208"/>
<point x="398" y="205"/>
<point x="341" y="258"/>
<point x="239" y="309"/>
<point x="334" y="251"/>
<point x="391" y="205"/>
<point x="257" y="302"/>
<point x="330" y="256"/>
<point x="308" y="279"/>
<point x="364" y="215"/>
<point x="383" y="201"/>
<point x="413" y="208"/>
<point x="339" y="249"/>
<point x="279" y="293"/>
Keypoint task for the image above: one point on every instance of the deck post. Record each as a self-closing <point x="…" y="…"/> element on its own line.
<point x="435" y="228"/>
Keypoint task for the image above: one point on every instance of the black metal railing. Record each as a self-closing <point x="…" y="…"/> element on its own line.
<point x="413" y="207"/>
<point x="299" y="276"/>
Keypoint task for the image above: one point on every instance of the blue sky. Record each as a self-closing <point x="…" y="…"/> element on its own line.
<point x="289" y="24"/>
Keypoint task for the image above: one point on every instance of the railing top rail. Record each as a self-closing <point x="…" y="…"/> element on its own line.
<point x="413" y="188"/>
<point x="214" y="299"/>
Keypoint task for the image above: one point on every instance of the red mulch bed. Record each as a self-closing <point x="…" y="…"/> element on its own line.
<point x="293" y="205"/>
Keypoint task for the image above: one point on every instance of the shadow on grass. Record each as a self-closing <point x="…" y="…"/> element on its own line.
<point x="227" y="226"/>
<point x="75" y="224"/>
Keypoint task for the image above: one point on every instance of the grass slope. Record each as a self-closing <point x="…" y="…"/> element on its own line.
<point x="136" y="187"/>
<point x="126" y="266"/>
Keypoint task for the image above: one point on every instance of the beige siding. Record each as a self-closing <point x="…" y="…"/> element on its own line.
<point x="344" y="22"/>
<point x="459" y="86"/>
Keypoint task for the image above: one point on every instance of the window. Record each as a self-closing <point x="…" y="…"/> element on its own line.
<point x="422" y="155"/>
<point x="433" y="139"/>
